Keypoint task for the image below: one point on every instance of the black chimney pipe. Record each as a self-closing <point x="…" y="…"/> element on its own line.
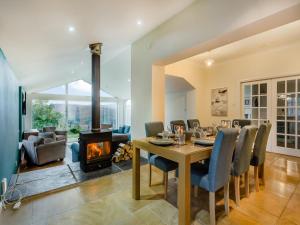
<point x="96" y="51"/>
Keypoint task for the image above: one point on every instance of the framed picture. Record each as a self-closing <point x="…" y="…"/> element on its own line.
<point x="219" y="102"/>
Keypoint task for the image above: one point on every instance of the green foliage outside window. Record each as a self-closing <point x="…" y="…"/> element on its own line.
<point x="44" y="115"/>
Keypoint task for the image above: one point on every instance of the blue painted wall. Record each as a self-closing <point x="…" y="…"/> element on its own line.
<point x="9" y="119"/>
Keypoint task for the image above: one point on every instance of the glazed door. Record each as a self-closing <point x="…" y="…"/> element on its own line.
<point x="286" y="115"/>
<point x="256" y="105"/>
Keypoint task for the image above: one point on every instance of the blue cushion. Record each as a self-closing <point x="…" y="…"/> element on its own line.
<point x="126" y="129"/>
<point x="75" y="152"/>
<point x="162" y="163"/>
<point x="121" y="130"/>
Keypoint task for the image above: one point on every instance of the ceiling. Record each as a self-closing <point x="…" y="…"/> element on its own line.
<point x="36" y="40"/>
<point x="280" y="36"/>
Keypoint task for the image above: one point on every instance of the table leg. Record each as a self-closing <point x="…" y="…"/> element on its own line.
<point x="184" y="192"/>
<point x="136" y="174"/>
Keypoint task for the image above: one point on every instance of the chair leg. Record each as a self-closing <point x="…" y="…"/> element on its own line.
<point x="212" y="205"/>
<point x="256" y="180"/>
<point x="195" y="191"/>
<point x="237" y="190"/>
<point x="226" y="198"/>
<point x="247" y="183"/>
<point x="262" y="173"/>
<point x="166" y="184"/>
<point x="150" y="174"/>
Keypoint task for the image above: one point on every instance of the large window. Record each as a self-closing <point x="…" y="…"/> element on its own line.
<point x="69" y="108"/>
<point x="128" y="112"/>
<point x="109" y="113"/>
<point x="48" y="113"/>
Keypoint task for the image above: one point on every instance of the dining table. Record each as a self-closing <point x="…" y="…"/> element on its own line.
<point x="184" y="155"/>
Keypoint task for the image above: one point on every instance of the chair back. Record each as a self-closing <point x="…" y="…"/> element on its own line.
<point x="242" y="122"/>
<point x="243" y="150"/>
<point x="175" y="123"/>
<point x="191" y="123"/>
<point x="49" y="129"/>
<point x="260" y="145"/>
<point x="221" y="157"/>
<point x="153" y="128"/>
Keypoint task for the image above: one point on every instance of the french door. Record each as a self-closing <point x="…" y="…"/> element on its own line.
<point x="257" y="103"/>
<point x="278" y="101"/>
<point x="286" y="115"/>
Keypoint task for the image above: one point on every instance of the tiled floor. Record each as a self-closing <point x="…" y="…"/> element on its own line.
<point x="107" y="200"/>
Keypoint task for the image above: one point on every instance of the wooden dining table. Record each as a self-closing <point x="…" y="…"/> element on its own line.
<point x="184" y="155"/>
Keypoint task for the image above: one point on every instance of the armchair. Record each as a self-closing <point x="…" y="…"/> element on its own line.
<point x="41" y="150"/>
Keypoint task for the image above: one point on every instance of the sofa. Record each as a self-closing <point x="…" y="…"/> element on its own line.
<point x="121" y="135"/>
<point x="44" y="149"/>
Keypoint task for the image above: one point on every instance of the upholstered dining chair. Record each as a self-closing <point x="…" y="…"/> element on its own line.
<point x="191" y="123"/>
<point x="175" y="123"/>
<point x="242" y="122"/>
<point x="259" y="152"/>
<point x="241" y="159"/>
<point x="217" y="175"/>
<point x="152" y="129"/>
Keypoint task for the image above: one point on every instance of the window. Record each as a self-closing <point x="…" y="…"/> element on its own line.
<point x="71" y="110"/>
<point x="109" y="113"/>
<point x="128" y="112"/>
<point x="61" y="90"/>
<point x="80" y="88"/>
<point x="48" y="113"/>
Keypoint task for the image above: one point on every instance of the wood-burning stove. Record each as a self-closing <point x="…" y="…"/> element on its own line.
<point x="95" y="150"/>
<point x="95" y="146"/>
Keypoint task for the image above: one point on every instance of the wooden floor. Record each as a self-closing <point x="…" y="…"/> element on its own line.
<point x="107" y="200"/>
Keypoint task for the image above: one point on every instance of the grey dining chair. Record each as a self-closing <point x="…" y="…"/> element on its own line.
<point x="152" y="129"/>
<point x="242" y="122"/>
<point x="217" y="175"/>
<point x="191" y="123"/>
<point x="259" y="152"/>
<point x="241" y="159"/>
<point x="175" y="123"/>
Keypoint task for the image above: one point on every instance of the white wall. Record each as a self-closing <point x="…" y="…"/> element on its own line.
<point x="175" y="107"/>
<point x="280" y="61"/>
<point x="199" y="23"/>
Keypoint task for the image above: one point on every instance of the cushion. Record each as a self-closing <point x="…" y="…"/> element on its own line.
<point x="126" y="129"/>
<point x="60" y="137"/>
<point x="48" y="135"/>
<point x="121" y="130"/>
<point x="162" y="163"/>
<point x="48" y="140"/>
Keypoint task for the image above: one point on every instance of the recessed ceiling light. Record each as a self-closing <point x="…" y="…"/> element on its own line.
<point x="81" y="62"/>
<point x="139" y="22"/>
<point x="209" y="62"/>
<point x="71" y="29"/>
<point x="129" y="80"/>
<point x="72" y="71"/>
